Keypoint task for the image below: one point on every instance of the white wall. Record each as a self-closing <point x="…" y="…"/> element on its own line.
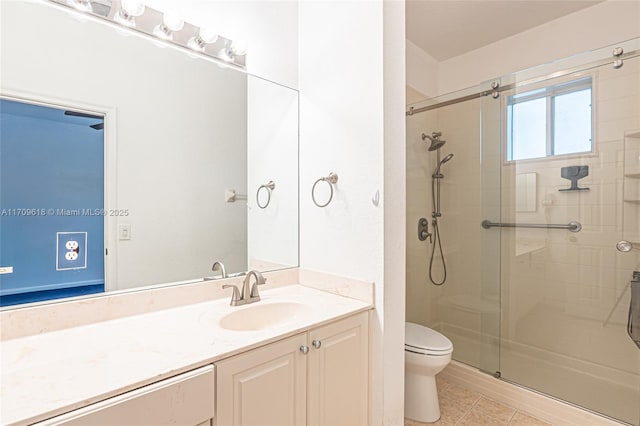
<point x="341" y="131"/>
<point x="422" y="72"/>
<point x="394" y="211"/>
<point x="344" y="129"/>
<point x="269" y="27"/>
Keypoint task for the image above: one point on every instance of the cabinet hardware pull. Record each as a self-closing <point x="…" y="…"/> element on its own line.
<point x="304" y="349"/>
<point x="316" y="344"/>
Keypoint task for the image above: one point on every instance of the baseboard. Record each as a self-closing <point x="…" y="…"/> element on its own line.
<point x="538" y="405"/>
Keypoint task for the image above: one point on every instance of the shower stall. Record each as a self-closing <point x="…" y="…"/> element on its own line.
<point x="539" y="227"/>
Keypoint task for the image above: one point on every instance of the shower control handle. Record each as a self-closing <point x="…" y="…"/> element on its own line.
<point x="423" y="229"/>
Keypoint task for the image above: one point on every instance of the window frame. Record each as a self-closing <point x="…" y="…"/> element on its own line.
<point x="549" y="90"/>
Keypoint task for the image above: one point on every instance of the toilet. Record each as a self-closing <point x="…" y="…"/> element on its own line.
<point x="426" y="353"/>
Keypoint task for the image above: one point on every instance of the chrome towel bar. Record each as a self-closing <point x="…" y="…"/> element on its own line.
<point x="572" y="226"/>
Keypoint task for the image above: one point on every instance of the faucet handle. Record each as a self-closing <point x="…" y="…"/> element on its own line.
<point x="235" y="296"/>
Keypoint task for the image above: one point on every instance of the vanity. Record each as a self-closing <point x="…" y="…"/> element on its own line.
<point x="299" y="356"/>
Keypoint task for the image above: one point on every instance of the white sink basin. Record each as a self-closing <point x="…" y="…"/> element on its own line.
<point x="260" y="316"/>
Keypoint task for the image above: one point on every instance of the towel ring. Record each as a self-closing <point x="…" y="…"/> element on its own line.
<point x="331" y="179"/>
<point x="270" y="186"/>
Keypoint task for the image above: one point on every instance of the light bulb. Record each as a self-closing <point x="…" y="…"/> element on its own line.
<point x="132" y="7"/>
<point x="81" y="5"/>
<point x="129" y="9"/>
<point x="239" y="47"/>
<point x="170" y="24"/>
<point x="232" y="49"/>
<point x="205" y="36"/>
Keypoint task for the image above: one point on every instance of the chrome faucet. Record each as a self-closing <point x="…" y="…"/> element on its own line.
<point x="250" y="292"/>
<point x="219" y="266"/>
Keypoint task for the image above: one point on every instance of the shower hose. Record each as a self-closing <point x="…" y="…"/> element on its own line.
<point x="438" y="242"/>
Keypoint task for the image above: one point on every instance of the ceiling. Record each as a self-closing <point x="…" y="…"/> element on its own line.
<point x="448" y="28"/>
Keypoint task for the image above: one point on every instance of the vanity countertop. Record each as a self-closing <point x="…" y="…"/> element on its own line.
<point x="52" y="373"/>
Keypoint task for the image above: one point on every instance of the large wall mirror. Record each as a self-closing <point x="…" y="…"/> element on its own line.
<point x="125" y="163"/>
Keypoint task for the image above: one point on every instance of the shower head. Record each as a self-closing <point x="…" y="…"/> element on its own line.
<point x="436" y="142"/>
<point x="437" y="174"/>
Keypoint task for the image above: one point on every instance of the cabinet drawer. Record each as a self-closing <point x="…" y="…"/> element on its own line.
<point x="187" y="399"/>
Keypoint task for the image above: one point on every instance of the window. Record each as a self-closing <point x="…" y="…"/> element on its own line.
<point x="553" y="120"/>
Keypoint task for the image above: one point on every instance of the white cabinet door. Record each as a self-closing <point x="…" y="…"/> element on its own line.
<point x="338" y="386"/>
<point x="265" y="386"/>
<point x="187" y="399"/>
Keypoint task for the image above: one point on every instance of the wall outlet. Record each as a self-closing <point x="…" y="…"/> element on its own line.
<point x="71" y="250"/>
<point x="71" y="255"/>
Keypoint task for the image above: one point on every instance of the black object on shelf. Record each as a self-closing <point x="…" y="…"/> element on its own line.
<point x="574" y="173"/>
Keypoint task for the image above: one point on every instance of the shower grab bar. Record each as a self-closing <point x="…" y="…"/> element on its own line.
<point x="572" y="226"/>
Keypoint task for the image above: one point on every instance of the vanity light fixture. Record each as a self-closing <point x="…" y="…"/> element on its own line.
<point x="170" y="24"/>
<point x="129" y="10"/>
<point x="81" y="5"/>
<point x="205" y="36"/>
<point x="156" y="25"/>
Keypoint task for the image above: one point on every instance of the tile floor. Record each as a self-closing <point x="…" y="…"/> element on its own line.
<point x="461" y="406"/>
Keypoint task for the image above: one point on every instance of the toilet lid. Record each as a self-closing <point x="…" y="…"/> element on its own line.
<point x="422" y="339"/>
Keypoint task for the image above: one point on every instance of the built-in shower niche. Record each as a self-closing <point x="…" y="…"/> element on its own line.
<point x="631" y="212"/>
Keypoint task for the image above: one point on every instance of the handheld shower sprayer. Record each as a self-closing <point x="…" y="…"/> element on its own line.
<point x="437" y="174"/>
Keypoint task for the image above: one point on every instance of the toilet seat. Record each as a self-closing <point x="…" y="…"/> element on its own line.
<point x="425" y="341"/>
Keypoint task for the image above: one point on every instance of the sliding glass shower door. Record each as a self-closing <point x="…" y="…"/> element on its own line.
<point x="464" y="304"/>
<point x="571" y="161"/>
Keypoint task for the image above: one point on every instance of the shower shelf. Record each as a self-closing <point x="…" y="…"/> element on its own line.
<point x="631" y="186"/>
